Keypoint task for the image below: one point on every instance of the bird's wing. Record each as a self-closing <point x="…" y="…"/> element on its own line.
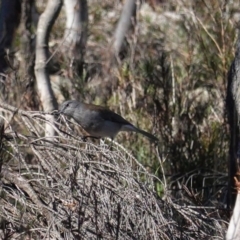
<point x="107" y="114"/>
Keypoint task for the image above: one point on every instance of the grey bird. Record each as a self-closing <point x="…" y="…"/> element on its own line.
<point x="99" y="121"/>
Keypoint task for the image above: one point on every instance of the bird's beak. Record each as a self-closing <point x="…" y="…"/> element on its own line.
<point x="56" y="112"/>
<point x="61" y="110"/>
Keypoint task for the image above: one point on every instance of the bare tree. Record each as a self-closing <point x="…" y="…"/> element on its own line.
<point x="9" y="20"/>
<point x="75" y="36"/>
<point x="45" y="24"/>
<point x="233" y="232"/>
<point x="27" y="50"/>
<point x="127" y="19"/>
<point x="233" y="106"/>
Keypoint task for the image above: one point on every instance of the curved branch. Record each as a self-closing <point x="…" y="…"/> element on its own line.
<point x="126" y="21"/>
<point x="75" y="36"/>
<point x="45" y="24"/>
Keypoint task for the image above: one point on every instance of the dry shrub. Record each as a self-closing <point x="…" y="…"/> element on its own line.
<point x="72" y="188"/>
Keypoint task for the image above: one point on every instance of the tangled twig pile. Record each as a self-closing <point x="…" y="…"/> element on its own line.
<point x="74" y="189"/>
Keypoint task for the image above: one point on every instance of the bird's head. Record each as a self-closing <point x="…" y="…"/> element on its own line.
<point x="68" y="107"/>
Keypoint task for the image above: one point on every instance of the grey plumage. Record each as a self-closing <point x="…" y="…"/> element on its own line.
<point x="99" y="121"/>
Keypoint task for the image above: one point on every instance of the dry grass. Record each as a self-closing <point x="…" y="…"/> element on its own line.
<point x="73" y="188"/>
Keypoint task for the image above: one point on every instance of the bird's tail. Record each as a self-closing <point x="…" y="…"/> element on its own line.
<point x="149" y="135"/>
<point x="131" y="128"/>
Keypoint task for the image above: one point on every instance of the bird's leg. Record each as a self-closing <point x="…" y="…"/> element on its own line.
<point x="111" y="146"/>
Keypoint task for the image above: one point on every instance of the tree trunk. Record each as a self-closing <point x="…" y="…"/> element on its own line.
<point x="127" y="19"/>
<point x="233" y="107"/>
<point x="47" y="97"/>
<point x="28" y="53"/>
<point x="10" y="12"/>
<point x="75" y="36"/>
<point x="233" y="232"/>
<point x="27" y="48"/>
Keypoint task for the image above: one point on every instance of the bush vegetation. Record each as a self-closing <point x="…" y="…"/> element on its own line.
<point x="170" y="80"/>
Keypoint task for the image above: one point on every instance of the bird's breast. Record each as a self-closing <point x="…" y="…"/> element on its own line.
<point x="103" y="129"/>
